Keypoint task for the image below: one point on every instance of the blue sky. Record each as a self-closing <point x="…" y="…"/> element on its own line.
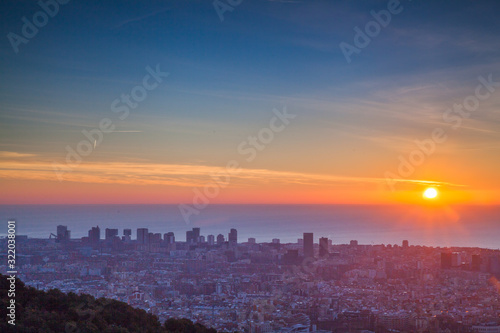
<point x="226" y="77"/>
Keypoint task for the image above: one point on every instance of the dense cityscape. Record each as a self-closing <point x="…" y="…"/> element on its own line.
<point x="307" y="286"/>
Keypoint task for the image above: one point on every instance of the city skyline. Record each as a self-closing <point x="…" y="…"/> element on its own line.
<point x="274" y="287"/>
<point x="250" y="166"/>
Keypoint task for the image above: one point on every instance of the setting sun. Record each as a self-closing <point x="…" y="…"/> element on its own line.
<point x="430" y="193"/>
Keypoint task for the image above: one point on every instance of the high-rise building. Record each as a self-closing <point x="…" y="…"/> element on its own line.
<point x="192" y="236"/>
<point x="494" y="264"/>
<point x="276" y="241"/>
<point x="456" y="259"/>
<point x="220" y="239"/>
<point x="110" y="233"/>
<point x="405" y="244"/>
<point x="308" y="245"/>
<point x="251" y="240"/>
<point x="445" y="260"/>
<point x="353" y="243"/>
<point x="169" y="238"/>
<point x="150" y="238"/>
<point x="476" y="262"/>
<point x="323" y="247"/>
<point x="142" y="235"/>
<point x="94" y="235"/>
<point x="233" y="237"/>
<point x="196" y="234"/>
<point x="211" y="239"/>
<point x="189" y="237"/>
<point x="201" y="239"/>
<point x="156" y="237"/>
<point x="63" y="234"/>
<point x="127" y="232"/>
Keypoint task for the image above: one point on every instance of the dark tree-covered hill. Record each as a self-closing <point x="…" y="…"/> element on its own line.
<point x="55" y="312"/>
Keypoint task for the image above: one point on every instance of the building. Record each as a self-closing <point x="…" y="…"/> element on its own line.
<point x="63" y="234"/>
<point x="405" y="244"/>
<point x="476" y="262"/>
<point x="110" y="233"/>
<point x="291" y="257"/>
<point x="142" y="236"/>
<point x="220" y="239"/>
<point x="456" y="259"/>
<point x="156" y="238"/>
<point x="127" y="232"/>
<point x="276" y="241"/>
<point x="192" y="236"/>
<point x="323" y="247"/>
<point x="353" y="243"/>
<point x="233" y="237"/>
<point x="196" y="234"/>
<point x="211" y="239"/>
<point x="445" y="260"/>
<point x="94" y="235"/>
<point x="251" y="240"/>
<point x="169" y="238"/>
<point x="189" y="237"/>
<point x="308" y="245"/>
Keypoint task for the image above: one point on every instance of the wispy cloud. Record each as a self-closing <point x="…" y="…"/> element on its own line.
<point x="139" y="18"/>
<point x="13" y="155"/>
<point x="183" y="175"/>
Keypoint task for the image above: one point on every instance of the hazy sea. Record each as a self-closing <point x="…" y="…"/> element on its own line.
<point x="471" y="226"/>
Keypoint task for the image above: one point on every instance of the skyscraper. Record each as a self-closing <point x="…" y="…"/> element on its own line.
<point x="169" y="238"/>
<point x="192" y="236"/>
<point x="476" y="262"/>
<point x="127" y="232"/>
<point x="445" y="260"/>
<point x="233" y="237"/>
<point x="189" y="237"/>
<point x="196" y="234"/>
<point x="220" y="239"/>
<point x="323" y="247"/>
<point x="405" y="244"/>
<point x="211" y="239"/>
<point x="110" y="233"/>
<point x="456" y="259"/>
<point x="142" y="235"/>
<point x="94" y="235"/>
<point x="308" y="245"/>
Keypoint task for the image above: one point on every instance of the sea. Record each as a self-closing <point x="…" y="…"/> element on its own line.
<point x="438" y="226"/>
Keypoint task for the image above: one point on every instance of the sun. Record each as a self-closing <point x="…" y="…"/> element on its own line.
<point x="430" y="193"/>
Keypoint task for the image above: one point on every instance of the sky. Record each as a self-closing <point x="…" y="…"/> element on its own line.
<point x="254" y="102"/>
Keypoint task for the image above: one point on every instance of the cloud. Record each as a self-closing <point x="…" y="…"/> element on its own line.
<point x="12" y="154"/>
<point x="183" y="175"/>
<point x="139" y="18"/>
